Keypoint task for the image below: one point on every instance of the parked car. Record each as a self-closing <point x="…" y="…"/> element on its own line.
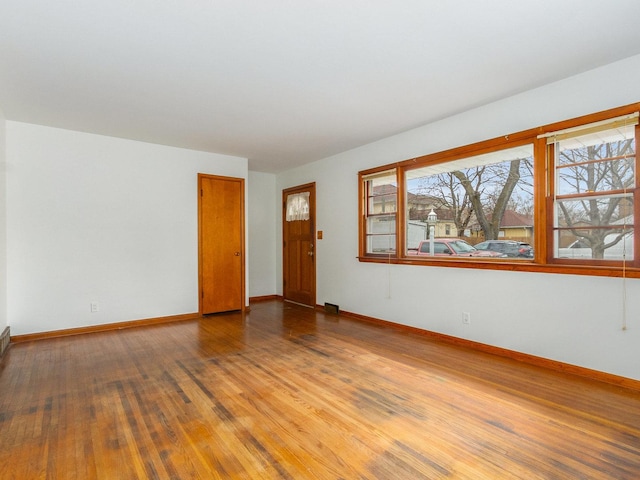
<point x="452" y="247"/>
<point x="510" y="248"/>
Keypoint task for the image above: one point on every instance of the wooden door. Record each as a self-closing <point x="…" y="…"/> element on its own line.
<point x="299" y="252"/>
<point x="221" y="232"/>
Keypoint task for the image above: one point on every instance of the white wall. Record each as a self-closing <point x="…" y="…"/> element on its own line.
<point x="572" y="319"/>
<point x="262" y="234"/>
<point x="3" y="225"/>
<point x="100" y="219"/>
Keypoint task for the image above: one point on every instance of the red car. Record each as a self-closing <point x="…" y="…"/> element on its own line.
<point x="452" y="247"/>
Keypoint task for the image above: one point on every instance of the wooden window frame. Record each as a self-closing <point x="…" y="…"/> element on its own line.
<point x="633" y="190"/>
<point x="543" y="260"/>
<point x="365" y="214"/>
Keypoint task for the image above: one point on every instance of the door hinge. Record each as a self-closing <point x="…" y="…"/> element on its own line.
<point x="202" y="293"/>
<point x="201" y="193"/>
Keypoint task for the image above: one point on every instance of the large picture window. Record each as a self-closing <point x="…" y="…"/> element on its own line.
<point x="557" y="198"/>
<point x="476" y="198"/>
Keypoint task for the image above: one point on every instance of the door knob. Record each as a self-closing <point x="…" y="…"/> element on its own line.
<point x="237" y="254"/>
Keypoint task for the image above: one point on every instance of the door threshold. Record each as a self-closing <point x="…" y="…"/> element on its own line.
<point x="297" y="303"/>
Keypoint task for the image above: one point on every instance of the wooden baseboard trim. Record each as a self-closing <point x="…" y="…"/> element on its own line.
<point x="503" y="352"/>
<point x="264" y="298"/>
<point x="104" y="328"/>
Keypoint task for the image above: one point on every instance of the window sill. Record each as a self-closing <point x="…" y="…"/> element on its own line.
<point x="518" y="266"/>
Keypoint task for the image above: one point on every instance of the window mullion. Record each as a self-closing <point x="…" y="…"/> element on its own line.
<point x="543" y="178"/>
<point x="401" y="215"/>
<point x="636" y="204"/>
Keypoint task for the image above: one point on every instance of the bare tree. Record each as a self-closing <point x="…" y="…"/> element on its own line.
<point x="451" y="197"/>
<point x="606" y="167"/>
<point x="460" y="204"/>
<point x="489" y="220"/>
<point x="483" y="193"/>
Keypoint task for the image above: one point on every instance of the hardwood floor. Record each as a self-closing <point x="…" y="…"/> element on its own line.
<point x="288" y="392"/>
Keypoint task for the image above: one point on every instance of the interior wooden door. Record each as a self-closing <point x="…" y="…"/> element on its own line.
<point x="221" y="227"/>
<point x="299" y="252"/>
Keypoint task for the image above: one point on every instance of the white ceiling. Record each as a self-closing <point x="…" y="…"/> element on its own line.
<point x="286" y="82"/>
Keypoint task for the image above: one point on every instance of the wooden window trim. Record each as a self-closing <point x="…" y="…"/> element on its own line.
<point x="363" y="213"/>
<point x="543" y="210"/>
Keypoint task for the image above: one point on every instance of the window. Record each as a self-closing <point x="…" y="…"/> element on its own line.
<point x="380" y="208"/>
<point x="297" y="207"/>
<point x="558" y="198"/>
<point x="484" y="196"/>
<point x="594" y="192"/>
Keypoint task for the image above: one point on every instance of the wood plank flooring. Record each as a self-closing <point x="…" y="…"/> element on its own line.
<point x="285" y="392"/>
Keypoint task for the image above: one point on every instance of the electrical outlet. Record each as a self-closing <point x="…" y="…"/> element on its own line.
<point x="466" y="318"/>
<point x="95" y="307"/>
